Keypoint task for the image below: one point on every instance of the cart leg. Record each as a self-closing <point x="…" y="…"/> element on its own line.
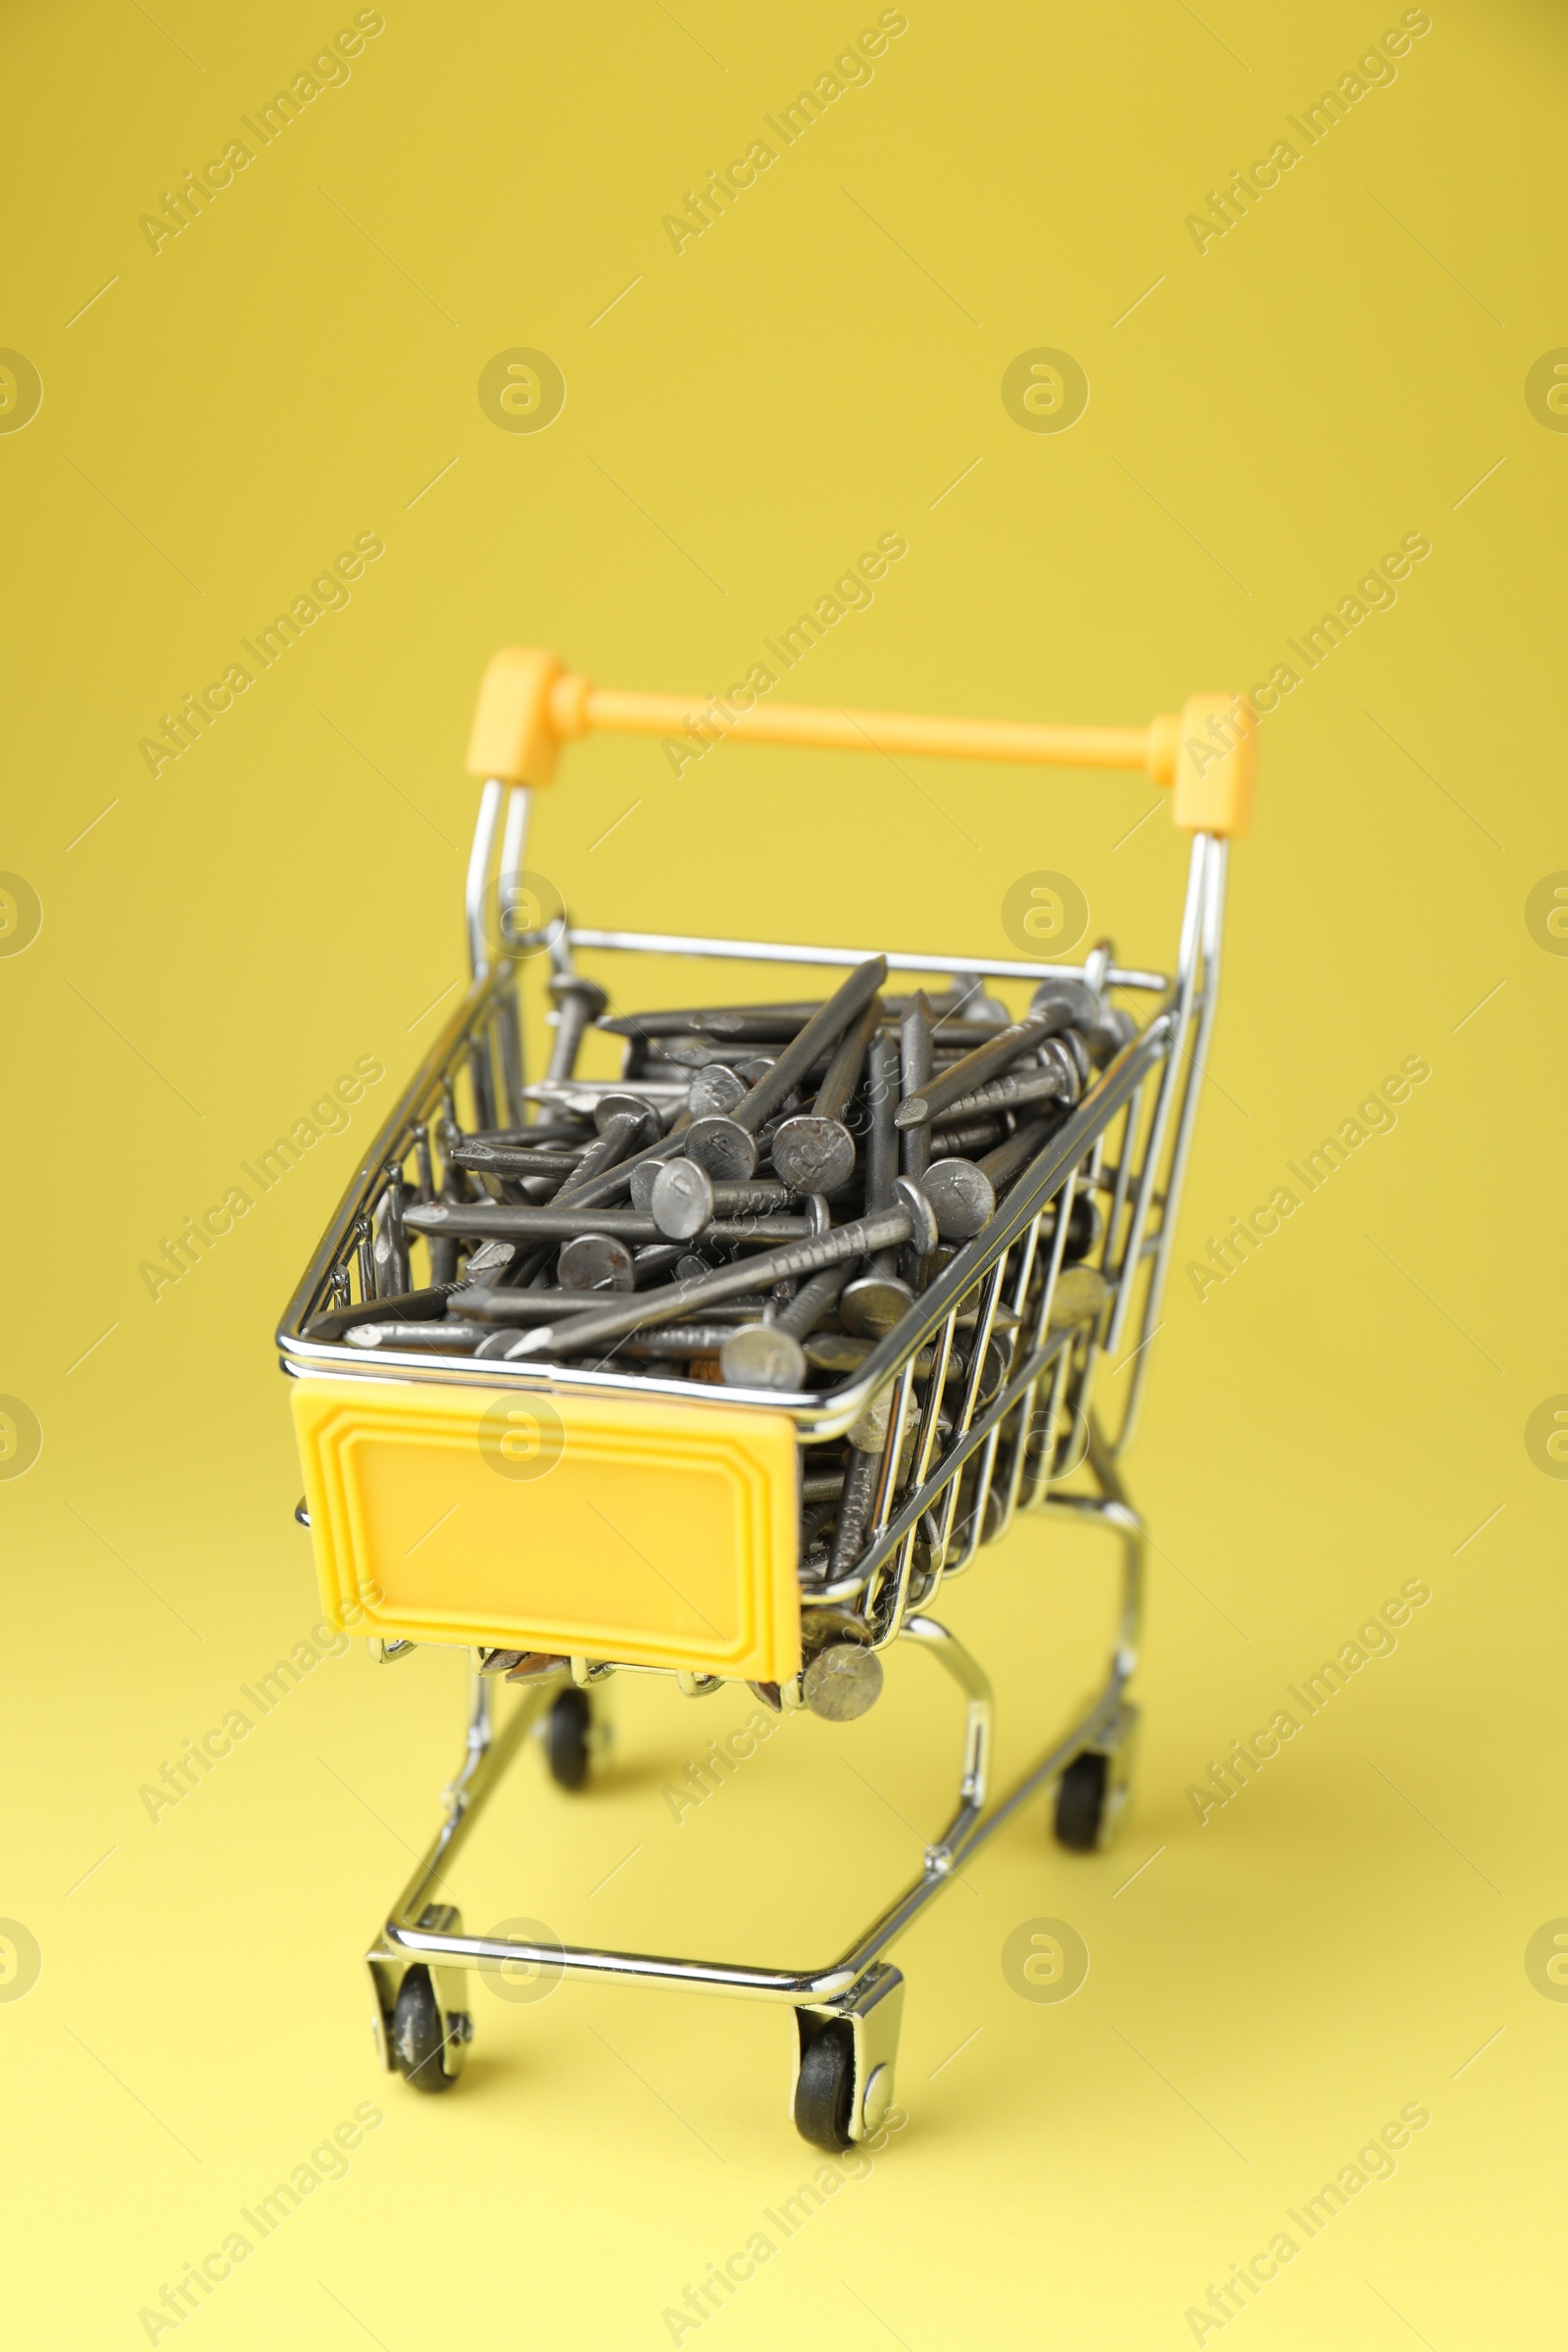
<point x="1096" y="1787"/>
<point x="846" y="2054"/>
<point x="423" y="2022"/>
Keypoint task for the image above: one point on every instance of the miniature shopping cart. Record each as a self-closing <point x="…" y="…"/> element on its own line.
<point x="401" y="1442"/>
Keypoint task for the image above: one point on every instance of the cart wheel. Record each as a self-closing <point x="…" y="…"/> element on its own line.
<point x="1081" y="1803"/>
<point x="418" y="2032"/>
<point x="824" y="2091"/>
<point x="566" y="1729"/>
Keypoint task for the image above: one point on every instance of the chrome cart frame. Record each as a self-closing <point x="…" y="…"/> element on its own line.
<point x="941" y="1492"/>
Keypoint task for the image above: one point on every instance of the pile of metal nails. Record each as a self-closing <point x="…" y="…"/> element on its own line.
<point x="754" y="1201"/>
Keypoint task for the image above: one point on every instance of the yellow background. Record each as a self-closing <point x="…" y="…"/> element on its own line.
<point x="819" y="369"/>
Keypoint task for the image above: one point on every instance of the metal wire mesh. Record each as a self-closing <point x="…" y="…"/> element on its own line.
<point x="977" y="1406"/>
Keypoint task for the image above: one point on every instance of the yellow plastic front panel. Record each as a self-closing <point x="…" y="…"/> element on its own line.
<point x="654" y="1533"/>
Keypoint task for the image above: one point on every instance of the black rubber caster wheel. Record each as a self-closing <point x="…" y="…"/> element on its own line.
<point x="824" y="2091"/>
<point x="1081" y="1803"/>
<point x="566" y="1729"/>
<point x="418" y="2034"/>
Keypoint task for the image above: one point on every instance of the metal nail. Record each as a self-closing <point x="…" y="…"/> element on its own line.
<point x="536" y="1666"/>
<point x="666" y="1057"/>
<point x="916" y="1066"/>
<point x="911" y="1219"/>
<point x="838" y="1350"/>
<point x="855" y="1510"/>
<point x="843" y="1681"/>
<point x="678" y="1340"/>
<point x="1060" y="1079"/>
<point x="509" y="1159"/>
<point x="762" y="1356"/>
<point x="950" y="1039"/>
<point x="627" y="1124"/>
<point x="963" y="1197"/>
<point x="455" y="1187"/>
<point x="595" y="1261"/>
<point x="967" y="1001"/>
<point x="645" y="1167"/>
<point x="479" y="1302"/>
<point x="757" y="1026"/>
<point x="1086" y="1224"/>
<point x="1104" y="1027"/>
<point x="717" y="1142"/>
<point x="877" y="1303"/>
<point x="770" y="1356"/>
<point x="421" y="1159"/>
<point x="841" y="1351"/>
<point x="389" y="1246"/>
<point x="715" y="1090"/>
<point x="968" y="1136"/>
<point x="973" y="1070"/>
<point x="879" y="1300"/>
<point x="651" y="1261"/>
<point x="447" y="1337"/>
<point x="408" y="1306"/>
<point x="714" y="1019"/>
<point x="751" y="1227"/>
<point x="725" y="1149"/>
<point x="493" y="1307"/>
<point x="815" y="1519"/>
<point x="963" y="1192"/>
<point x="612" y="1183"/>
<point x="646" y="1124"/>
<point x="491" y="1260"/>
<point x="507" y="1220"/>
<point x="814" y="1152"/>
<point x="682" y="1198"/>
<point x="514" y="1221"/>
<point x="1080" y="1294"/>
<point x="822" y="1031"/>
<point x="549" y="1135"/>
<point x="577" y="1096"/>
<point x="577" y="1002"/>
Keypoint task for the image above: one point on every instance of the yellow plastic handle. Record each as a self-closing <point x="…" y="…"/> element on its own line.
<point x="530" y="705"/>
